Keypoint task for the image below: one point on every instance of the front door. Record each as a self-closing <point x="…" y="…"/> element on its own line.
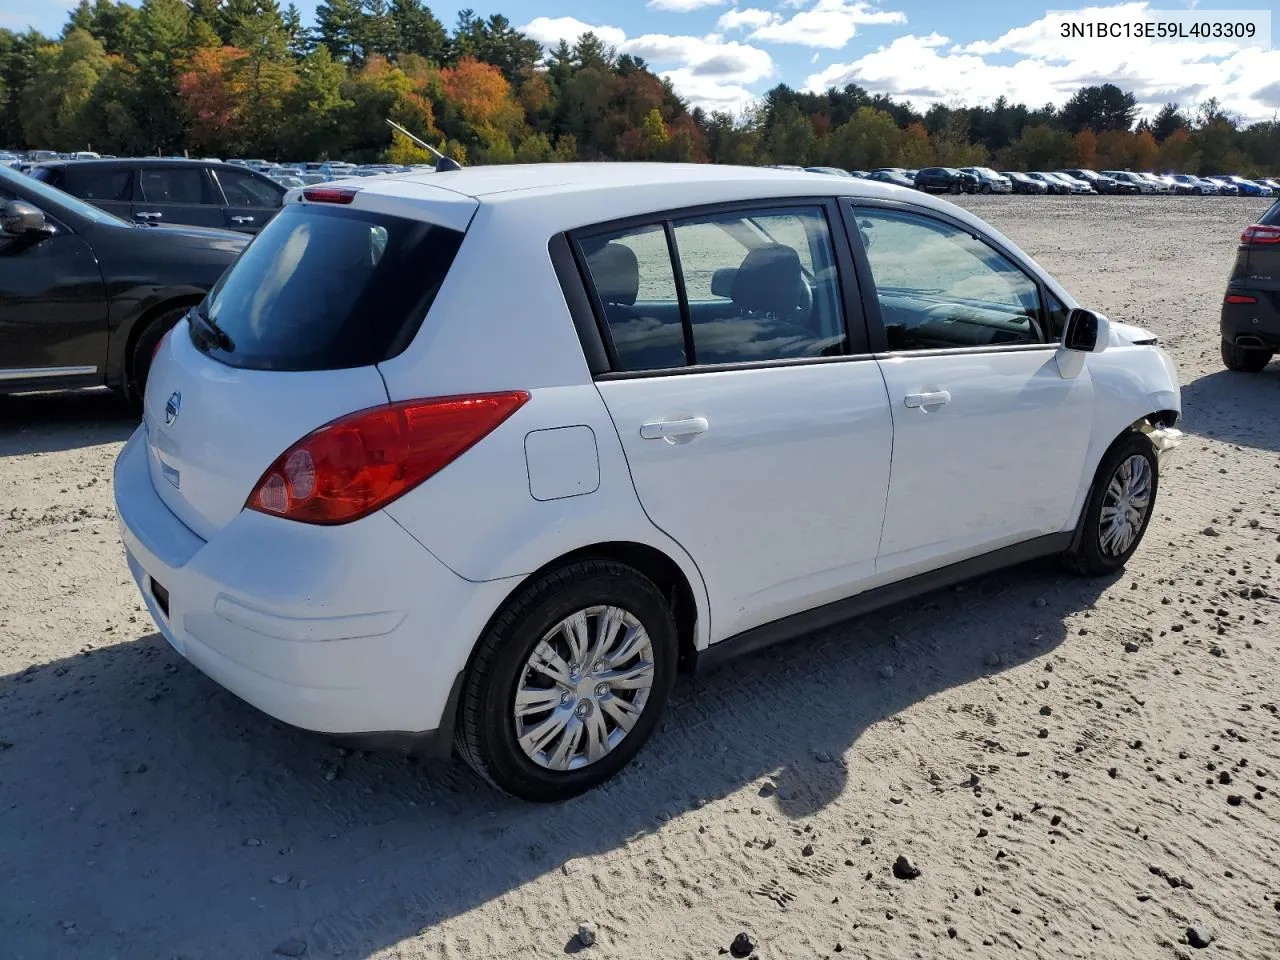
<point x="756" y="427"/>
<point x="177" y="194"/>
<point x="988" y="435"/>
<point x="53" y="310"/>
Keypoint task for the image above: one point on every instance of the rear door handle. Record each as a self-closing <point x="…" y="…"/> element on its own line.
<point x="242" y="219"/>
<point x="933" y="399"/>
<point x="671" y="429"/>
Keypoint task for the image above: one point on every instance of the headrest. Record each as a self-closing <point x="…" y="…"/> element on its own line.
<point x="769" y="281"/>
<point x="615" y="271"/>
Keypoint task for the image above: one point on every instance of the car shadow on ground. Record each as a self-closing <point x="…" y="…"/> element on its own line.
<point x="1235" y="407"/>
<point x="141" y="806"/>
<point x="48" y="422"/>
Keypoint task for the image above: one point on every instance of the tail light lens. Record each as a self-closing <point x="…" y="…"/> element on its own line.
<point x="330" y="194"/>
<point x="1240" y="298"/>
<point x="359" y="463"/>
<point x="1260" y="233"/>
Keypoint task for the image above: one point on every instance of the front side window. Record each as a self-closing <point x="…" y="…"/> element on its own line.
<point x="940" y="288"/>
<point x="758" y="285"/>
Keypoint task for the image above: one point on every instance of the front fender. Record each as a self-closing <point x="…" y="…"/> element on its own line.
<point x="1130" y="383"/>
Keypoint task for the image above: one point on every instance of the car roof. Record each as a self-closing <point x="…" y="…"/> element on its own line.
<point x="144" y="162"/>
<point x="562" y="196"/>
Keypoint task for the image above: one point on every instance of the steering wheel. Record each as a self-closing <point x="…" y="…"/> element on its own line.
<point x="805" y="307"/>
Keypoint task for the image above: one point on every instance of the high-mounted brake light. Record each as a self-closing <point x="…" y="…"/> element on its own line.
<point x="359" y="463"/>
<point x="1260" y="233"/>
<point x="1240" y="298"/>
<point x="330" y="194"/>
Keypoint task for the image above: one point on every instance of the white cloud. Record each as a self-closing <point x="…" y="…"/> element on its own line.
<point x="549" y="31"/>
<point x="732" y="61"/>
<point x="707" y="71"/>
<point x="751" y="18"/>
<point x="1033" y="65"/>
<point x="825" y="23"/>
<point x="683" y="6"/>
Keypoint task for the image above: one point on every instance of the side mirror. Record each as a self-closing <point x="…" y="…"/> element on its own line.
<point x="1087" y="332"/>
<point x="18" y="219"/>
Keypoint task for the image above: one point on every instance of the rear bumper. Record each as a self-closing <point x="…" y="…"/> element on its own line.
<point x="1254" y="325"/>
<point x="354" y="629"/>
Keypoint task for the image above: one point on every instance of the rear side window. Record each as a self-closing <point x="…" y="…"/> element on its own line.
<point x="246" y="190"/>
<point x="325" y="289"/>
<point x="734" y="287"/>
<point x="98" y="183"/>
<point x="176" y="185"/>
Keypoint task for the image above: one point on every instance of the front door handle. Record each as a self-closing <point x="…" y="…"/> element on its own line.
<point x="149" y="216"/>
<point x="242" y="219"/>
<point x="673" y="429"/>
<point x="936" y="398"/>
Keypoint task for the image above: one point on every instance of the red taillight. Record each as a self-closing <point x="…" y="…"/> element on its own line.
<point x="1260" y="233"/>
<point x="1240" y="298"/>
<point x="361" y="462"/>
<point x="330" y="194"/>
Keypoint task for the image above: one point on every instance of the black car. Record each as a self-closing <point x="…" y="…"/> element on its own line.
<point x="946" y="180"/>
<point x="1025" y="184"/>
<point x="85" y="296"/>
<point x="148" y="189"/>
<point x="1100" y="183"/>
<point x="1251" y="308"/>
<point x="888" y="175"/>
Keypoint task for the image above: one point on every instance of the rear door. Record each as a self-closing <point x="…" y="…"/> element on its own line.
<point x="177" y="193"/>
<point x="989" y="438"/>
<point x="755" y="425"/>
<point x="251" y="199"/>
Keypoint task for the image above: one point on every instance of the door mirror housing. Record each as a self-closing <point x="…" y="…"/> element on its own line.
<point x="18" y="219"/>
<point x="1087" y="331"/>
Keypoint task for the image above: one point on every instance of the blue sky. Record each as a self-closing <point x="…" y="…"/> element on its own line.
<point x="721" y="54"/>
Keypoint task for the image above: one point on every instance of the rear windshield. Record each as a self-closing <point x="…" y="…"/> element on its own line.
<point x="1272" y="217"/>
<point x="325" y="288"/>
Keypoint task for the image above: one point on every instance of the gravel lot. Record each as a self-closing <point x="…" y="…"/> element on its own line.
<point x="1077" y="768"/>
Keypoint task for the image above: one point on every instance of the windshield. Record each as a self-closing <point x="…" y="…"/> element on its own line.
<point x="41" y="191"/>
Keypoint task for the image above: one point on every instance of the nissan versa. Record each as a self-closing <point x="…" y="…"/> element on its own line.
<point x="480" y="459"/>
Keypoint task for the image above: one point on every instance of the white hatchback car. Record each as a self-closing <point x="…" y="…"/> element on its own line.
<point x="483" y="458"/>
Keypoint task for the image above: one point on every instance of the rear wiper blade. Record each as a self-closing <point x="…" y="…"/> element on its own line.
<point x="210" y="330"/>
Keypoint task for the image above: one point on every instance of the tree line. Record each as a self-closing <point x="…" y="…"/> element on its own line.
<point x="245" y="78"/>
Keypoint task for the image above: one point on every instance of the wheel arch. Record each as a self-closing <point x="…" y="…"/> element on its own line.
<point x="124" y="335"/>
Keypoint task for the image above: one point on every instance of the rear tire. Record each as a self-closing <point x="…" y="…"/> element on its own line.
<point x="144" y="348"/>
<point x="528" y="631"/>
<point x="1244" y="359"/>
<point x="1119" y="507"/>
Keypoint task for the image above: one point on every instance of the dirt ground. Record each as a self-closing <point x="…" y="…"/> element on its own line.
<point x="1077" y="768"/>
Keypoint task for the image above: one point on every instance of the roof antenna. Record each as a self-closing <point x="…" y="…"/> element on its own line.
<point x="443" y="164"/>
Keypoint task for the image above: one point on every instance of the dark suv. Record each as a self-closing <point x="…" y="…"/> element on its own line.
<point x="1251" y="308"/>
<point x="84" y="296"/>
<point x="152" y="190"/>
<point x="1100" y="183"/>
<point x="946" y="180"/>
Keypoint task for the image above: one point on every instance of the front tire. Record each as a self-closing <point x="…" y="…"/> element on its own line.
<point x="1119" y="507"/>
<point x="1242" y="359"/>
<point x="954" y="188"/>
<point x="985" y="188"/>
<point x="568" y="682"/>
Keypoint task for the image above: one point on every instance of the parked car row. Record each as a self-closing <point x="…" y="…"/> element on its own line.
<point x="1078" y="180"/>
